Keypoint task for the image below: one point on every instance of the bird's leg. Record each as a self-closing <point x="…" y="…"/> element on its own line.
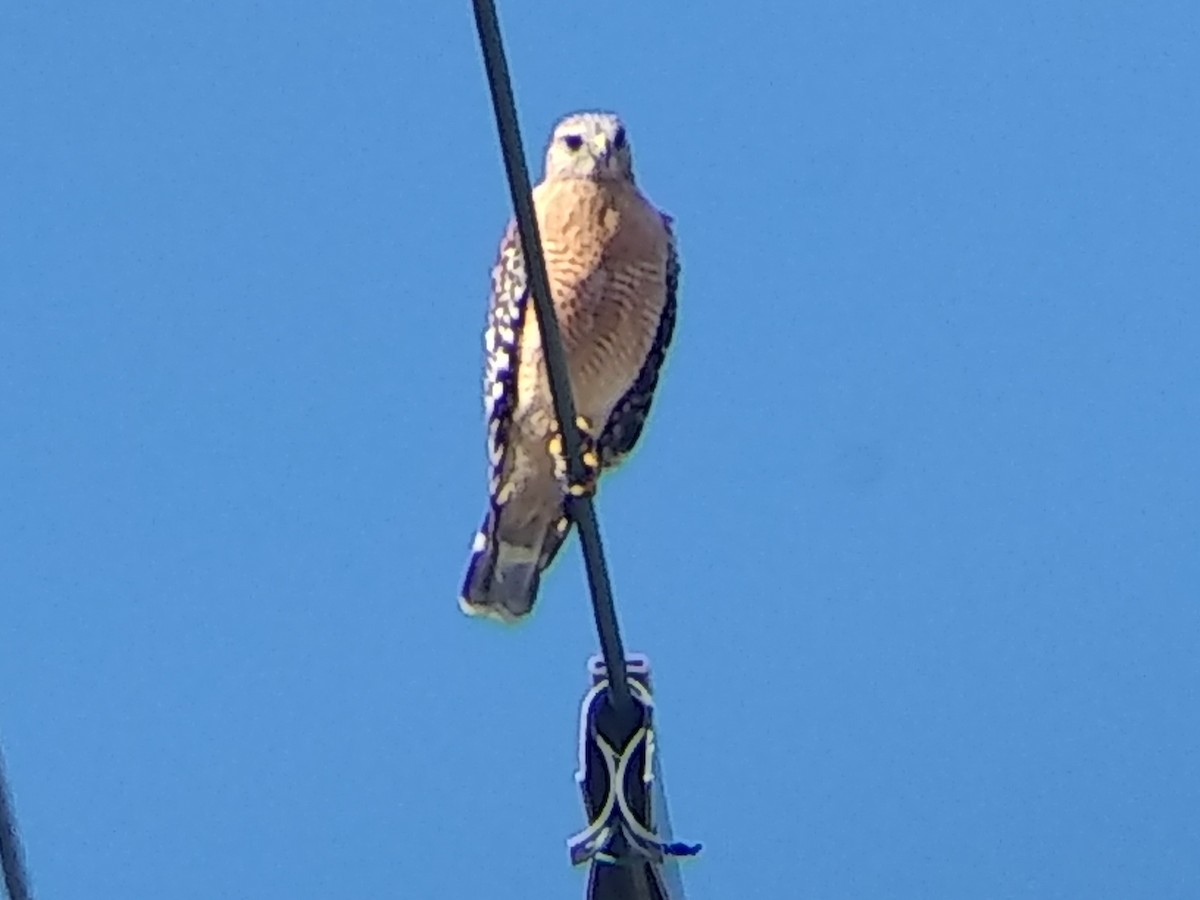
<point x="591" y="461"/>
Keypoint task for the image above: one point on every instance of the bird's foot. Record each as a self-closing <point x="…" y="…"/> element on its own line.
<point x="586" y="487"/>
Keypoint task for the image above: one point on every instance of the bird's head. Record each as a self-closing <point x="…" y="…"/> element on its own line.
<point x="590" y="145"/>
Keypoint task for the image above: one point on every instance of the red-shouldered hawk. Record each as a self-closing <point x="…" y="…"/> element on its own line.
<point x="613" y="270"/>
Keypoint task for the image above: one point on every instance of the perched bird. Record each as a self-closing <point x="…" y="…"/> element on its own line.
<point x="613" y="270"/>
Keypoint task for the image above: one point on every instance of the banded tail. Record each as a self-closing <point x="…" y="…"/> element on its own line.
<point x="503" y="577"/>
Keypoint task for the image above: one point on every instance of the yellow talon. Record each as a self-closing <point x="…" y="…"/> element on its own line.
<point x="584" y="489"/>
<point x="589" y="456"/>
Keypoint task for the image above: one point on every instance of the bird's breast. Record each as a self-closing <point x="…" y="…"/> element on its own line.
<point x="606" y="252"/>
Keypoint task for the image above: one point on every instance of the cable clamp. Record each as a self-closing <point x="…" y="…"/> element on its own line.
<point x="625" y="781"/>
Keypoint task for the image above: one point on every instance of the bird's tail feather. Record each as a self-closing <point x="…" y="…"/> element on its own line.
<point x="502" y="578"/>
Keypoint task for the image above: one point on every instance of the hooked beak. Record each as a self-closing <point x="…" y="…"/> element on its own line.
<point x="603" y="147"/>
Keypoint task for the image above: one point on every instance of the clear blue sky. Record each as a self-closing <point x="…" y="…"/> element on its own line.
<point x="913" y="538"/>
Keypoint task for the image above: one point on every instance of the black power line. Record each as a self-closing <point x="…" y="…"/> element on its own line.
<point x="618" y="775"/>
<point x="16" y="883"/>
<point x="580" y="509"/>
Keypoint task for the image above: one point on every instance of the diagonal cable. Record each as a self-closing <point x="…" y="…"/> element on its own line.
<point x="16" y="883"/>
<point x="581" y="509"/>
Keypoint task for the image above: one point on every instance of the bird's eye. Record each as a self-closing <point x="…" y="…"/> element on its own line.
<point x="619" y="138"/>
<point x="573" y="142"/>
